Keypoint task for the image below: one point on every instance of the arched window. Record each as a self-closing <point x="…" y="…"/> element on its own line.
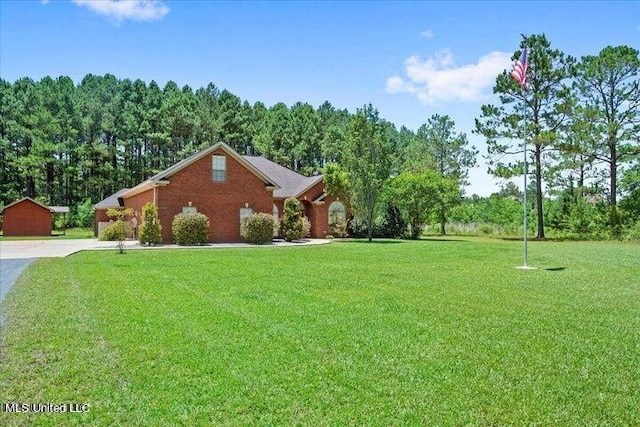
<point x="337" y="218"/>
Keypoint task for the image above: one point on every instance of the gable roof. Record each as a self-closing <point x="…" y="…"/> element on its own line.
<point x="27" y="199"/>
<point x="161" y="177"/>
<point x="111" y="201"/>
<point x="291" y="183"/>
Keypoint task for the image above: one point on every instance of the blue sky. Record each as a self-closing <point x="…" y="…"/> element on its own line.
<point x="409" y="59"/>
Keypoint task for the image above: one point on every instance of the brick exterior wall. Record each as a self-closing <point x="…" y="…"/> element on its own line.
<point x="99" y="215"/>
<point x="220" y="201"/>
<point x="26" y="219"/>
<point x="137" y="202"/>
<point x="318" y="214"/>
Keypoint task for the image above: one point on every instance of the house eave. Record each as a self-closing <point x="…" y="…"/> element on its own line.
<point x="197" y="156"/>
<point x="314" y="182"/>
<point x="144" y="186"/>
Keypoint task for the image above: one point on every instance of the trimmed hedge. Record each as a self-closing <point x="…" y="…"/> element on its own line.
<point x="190" y="229"/>
<point x="257" y="228"/>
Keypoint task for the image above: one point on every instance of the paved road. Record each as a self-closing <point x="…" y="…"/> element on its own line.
<point x="10" y="270"/>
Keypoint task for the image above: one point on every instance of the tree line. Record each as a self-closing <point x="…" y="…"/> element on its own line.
<point x="581" y="119"/>
<point x="67" y="143"/>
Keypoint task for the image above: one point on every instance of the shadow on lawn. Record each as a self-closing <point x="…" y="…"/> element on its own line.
<point x="439" y="239"/>
<point x="373" y="242"/>
<point x="387" y="241"/>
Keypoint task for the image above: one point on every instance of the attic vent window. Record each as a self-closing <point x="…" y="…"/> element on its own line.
<point x="219" y="168"/>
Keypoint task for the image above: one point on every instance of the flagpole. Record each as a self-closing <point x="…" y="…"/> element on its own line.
<point x="519" y="73"/>
<point x="524" y="205"/>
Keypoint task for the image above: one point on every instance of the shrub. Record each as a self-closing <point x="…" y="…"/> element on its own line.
<point x="114" y="231"/>
<point x="291" y="227"/>
<point x="356" y="227"/>
<point x="486" y="229"/>
<point x="615" y="222"/>
<point x="85" y="214"/>
<point x="339" y="228"/>
<point x="62" y="221"/>
<point x="120" y="228"/>
<point x="634" y="232"/>
<point x="257" y="228"/>
<point x="388" y="223"/>
<point x="150" y="229"/>
<point x="393" y="224"/>
<point x="190" y="229"/>
<point x="306" y="227"/>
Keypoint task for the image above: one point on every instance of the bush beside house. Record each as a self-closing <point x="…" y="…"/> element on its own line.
<point x="120" y="229"/>
<point x="291" y="226"/>
<point x="190" y="229"/>
<point x="257" y="228"/>
<point x="150" y="229"/>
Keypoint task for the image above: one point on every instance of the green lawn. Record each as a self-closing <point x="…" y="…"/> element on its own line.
<point x="390" y="333"/>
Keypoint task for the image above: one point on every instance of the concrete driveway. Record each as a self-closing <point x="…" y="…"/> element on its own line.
<point x="16" y="255"/>
<point x="21" y="249"/>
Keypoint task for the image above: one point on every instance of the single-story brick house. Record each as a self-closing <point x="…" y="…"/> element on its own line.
<point x="27" y="217"/>
<point x="225" y="186"/>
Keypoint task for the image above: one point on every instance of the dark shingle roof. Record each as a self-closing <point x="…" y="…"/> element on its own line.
<point x="111" y="201"/>
<point x="291" y="183"/>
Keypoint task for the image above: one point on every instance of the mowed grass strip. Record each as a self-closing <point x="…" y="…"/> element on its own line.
<point x="386" y="333"/>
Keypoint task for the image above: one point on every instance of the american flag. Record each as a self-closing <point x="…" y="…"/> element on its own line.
<point x="519" y="72"/>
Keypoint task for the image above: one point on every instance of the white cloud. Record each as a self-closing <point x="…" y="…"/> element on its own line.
<point x="427" y="34"/>
<point x="438" y="78"/>
<point x="137" y="10"/>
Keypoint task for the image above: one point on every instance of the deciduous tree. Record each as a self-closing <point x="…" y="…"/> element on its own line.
<point x="368" y="162"/>
<point x="437" y="147"/>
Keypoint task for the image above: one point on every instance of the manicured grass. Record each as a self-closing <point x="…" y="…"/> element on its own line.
<point x="389" y="333"/>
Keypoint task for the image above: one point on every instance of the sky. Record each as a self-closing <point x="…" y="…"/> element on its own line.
<point x="410" y="60"/>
